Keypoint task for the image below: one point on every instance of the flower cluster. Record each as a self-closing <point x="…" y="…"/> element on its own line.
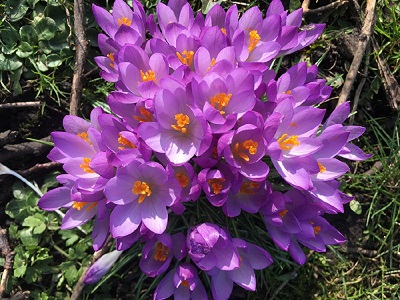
<point x="197" y="114"/>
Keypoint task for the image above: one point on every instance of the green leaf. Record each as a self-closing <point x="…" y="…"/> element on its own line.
<point x="24" y="50"/>
<point x="46" y="28"/>
<point x="15" y="207"/>
<point x="355" y="206"/>
<point x="9" y="35"/>
<point x="53" y="60"/>
<point x="9" y="64"/>
<point x="32" y="3"/>
<point x="16" y="9"/>
<point x="71" y="275"/>
<point x="36" y="222"/>
<point x="59" y="42"/>
<point x="20" y="271"/>
<point x="28" y="238"/>
<point x="28" y="34"/>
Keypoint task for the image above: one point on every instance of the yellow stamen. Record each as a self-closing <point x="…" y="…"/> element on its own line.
<point x="183" y="179"/>
<point x="161" y="252"/>
<point x="254" y="39"/>
<point x="321" y="167"/>
<point x="85" y="165"/>
<point x="288" y="143"/>
<point x="148" y="76"/>
<point x="181" y="122"/>
<point x="223" y="30"/>
<point x="124" y="142"/>
<point x="124" y="21"/>
<point x="219" y="101"/>
<point x="288" y="92"/>
<point x="84" y="136"/>
<point x="248" y="187"/>
<point x="283" y="213"/>
<point x="147" y="116"/>
<point x="213" y="62"/>
<point x="317" y="229"/>
<point x="249" y="146"/>
<point x="80" y="205"/>
<point x="141" y="188"/>
<point x="216" y="184"/>
<point x="110" y="56"/>
<point x="186" y="57"/>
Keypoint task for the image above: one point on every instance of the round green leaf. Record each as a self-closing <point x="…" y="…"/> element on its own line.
<point x="46" y="28"/>
<point x="16" y="9"/>
<point x="28" y="34"/>
<point x="24" y="50"/>
<point x="355" y="206"/>
<point x="53" y="60"/>
<point x="9" y="35"/>
<point x="41" y="63"/>
<point x="59" y="42"/>
<point x="10" y="63"/>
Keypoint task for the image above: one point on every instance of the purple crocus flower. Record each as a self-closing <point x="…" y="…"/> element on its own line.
<point x="181" y="131"/>
<point x="252" y="257"/>
<point x="156" y="255"/>
<point x="182" y="282"/>
<point x="210" y="246"/>
<point x="101" y="267"/>
<point x="142" y="191"/>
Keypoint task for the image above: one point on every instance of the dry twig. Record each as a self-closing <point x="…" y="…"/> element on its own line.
<point x="12" y="151"/>
<point x="366" y="32"/>
<point x="8" y="255"/>
<point x="307" y="11"/>
<point x="81" y="45"/>
<point x="20" y="104"/>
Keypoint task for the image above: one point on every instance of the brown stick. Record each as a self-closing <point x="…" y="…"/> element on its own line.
<point x="366" y="32"/>
<point x="20" y="104"/>
<point x="39" y="167"/>
<point x="7" y="136"/>
<point x="333" y="5"/>
<point x="80" y="57"/>
<point x="8" y="255"/>
<point x="12" y="151"/>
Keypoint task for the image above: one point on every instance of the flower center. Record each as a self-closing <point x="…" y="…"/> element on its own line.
<point x="254" y="39"/>
<point x="161" y="252"/>
<point x="186" y="57"/>
<point x="317" y="229"/>
<point x="147" y="116"/>
<point x="80" y="205"/>
<point x="216" y="184"/>
<point x="141" y="188"/>
<point x="185" y="283"/>
<point x="248" y="146"/>
<point x="124" y="142"/>
<point x="288" y="143"/>
<point x="283" y="213"/>
<point x="110" y="56"/>
<point x="124" y="21"/>
<point x="181" y="122"/>
<point x="85" y="165"/>
<point x="212" y="64"/>
<point x="148" y="76"/>
<point x="198" y="248"/>
<point x="219" y="101"/>
<point x="183" y="179"/>
<point x="321" y="167"/>
<point x="223" y="30"/>
<point x="248" y="187"/>
<point x="84" y="136"/>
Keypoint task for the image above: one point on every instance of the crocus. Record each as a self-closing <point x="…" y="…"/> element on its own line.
<point x="101" y="267"/>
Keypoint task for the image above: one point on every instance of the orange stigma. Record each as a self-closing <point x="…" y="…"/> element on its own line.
<point x="248" y="146"/>
<point x="254" y="39"/>
<point x="186" y="57"/>
<point x="181" y="122"/>
<point x="147" y="116"/>
<point x="288" y="143"/>
<point x="80" y="205"/>
<point x="141" y="188"/>
<point x="248" y="187"/>
<point x="182" y="179"/>
<point x="124" y="142"/>
<point x="161" y="252"/>
<point x="124" y="21"/>
<point x="85" y="165"/>
<point x="216" y="184"/>
<point x="219" y="101"/>
<point x="148" y="76"/>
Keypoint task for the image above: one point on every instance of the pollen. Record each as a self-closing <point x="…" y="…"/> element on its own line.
<point x="186" y="57"/>
<point x="322" y="168"/>
<point x="219" y="101"/>
<point x="182" y="179"/>
<point x="216" y="184"/>
<point x="84" y="136"/>
<point x="124" y="21"/>
<point x="212" y="63"/>
<point x="283" y="213"/>
<point x="254" y="39"/>
<point x="80" y="205"/>
<point x="161" y="252"/>
<point x="85" y="165"/>
<point x="248" y="146"/>
<point x="125" y="143"/>
<point x="288" y="92"/>
<point x="248" y="187"/>
<point x="148" y="76"/>
<point x="181" y="122"/>
<point x="317" y="229"/>
<point x="185" y="283"/>
<point x="147" y="116"/>
<point x="287" y="143"/>
<point x="141" y="188"/>
<point x="110" y="56"/>
<point x="223" y="30"/>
